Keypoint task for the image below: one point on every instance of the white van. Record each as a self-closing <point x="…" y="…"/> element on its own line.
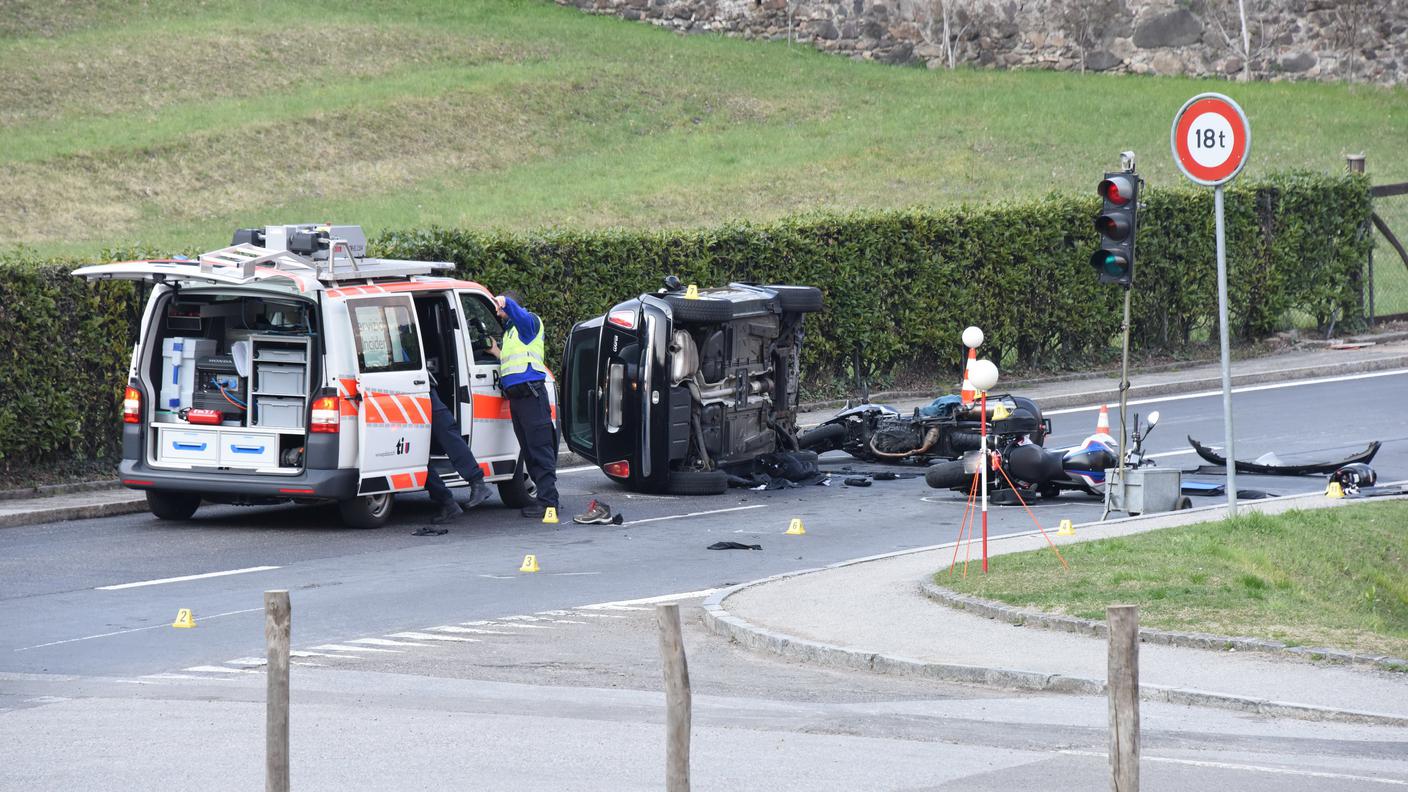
<point x="291" y="367"/>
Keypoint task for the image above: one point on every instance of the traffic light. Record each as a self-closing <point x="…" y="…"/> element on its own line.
<point x="1117" y="223"/>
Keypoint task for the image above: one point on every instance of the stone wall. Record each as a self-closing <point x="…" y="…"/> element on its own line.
<point x="1358" y="40"/>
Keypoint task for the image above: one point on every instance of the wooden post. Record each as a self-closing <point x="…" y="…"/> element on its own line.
<point x="1123" y="684"/>
<point x="276" y="634"/>
<point x="677" y="698"/>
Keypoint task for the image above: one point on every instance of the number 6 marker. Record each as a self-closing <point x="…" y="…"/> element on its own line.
<point x="1210" y="139"/>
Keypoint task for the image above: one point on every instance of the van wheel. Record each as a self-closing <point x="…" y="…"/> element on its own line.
<point x="366" y="511"/>
<point x="520" y="490"/>
<point x="697" y="482"/>
<point x="167" y="505"/>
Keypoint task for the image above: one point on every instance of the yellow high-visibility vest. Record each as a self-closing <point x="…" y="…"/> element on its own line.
<point x="515" y="355"/>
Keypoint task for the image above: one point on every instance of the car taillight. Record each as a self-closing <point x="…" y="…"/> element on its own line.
<point x="132" y="406"/>
<point x="620" y="469"/>
<point x="326" y="415"/>
<point x="626" y="319"/>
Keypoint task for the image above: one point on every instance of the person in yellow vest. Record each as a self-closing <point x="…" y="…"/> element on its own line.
<point x="523" y="375"/>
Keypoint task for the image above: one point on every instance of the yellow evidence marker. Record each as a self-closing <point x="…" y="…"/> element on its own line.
<point x="795" y="528"/>
<point x="530" y="564"/>
<point x="184" y="619"/>
<point x="550" y="516"/>
<point x="691" y="292"/>
<point x="1334" y="490"/>
<point x="1066" y="529"/>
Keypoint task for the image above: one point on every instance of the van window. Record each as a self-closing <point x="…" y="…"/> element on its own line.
<point x="483" y="325"/>
<point x="582" y="378"/>
<point x="386" y="335"/>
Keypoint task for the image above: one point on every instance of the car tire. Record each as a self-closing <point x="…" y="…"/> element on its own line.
<point x="520" y="490"/>
<point x="798" y="299"/>
<point x="822" y="438"/>
<point x="697" y="482"/>
<point x="947" y="475"/>
<point x="367" y="511"/>
<point x="167" y="505"/>
<point x="700" y="310"/>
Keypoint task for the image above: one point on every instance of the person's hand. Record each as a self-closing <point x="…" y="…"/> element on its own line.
<point x="493" y="346"/>
<point x="500" y="300"/>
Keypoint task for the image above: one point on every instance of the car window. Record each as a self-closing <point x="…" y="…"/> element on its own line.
<point x="582" y="377"/>
<point x="483" y="324"/>
<point x="385" y="332"/>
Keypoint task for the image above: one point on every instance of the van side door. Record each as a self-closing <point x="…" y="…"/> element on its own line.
<point x="393" y="412"/>
<point x="492" y="424"/>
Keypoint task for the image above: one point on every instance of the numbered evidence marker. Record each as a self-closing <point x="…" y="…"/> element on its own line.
<point x="1210" y="138"/>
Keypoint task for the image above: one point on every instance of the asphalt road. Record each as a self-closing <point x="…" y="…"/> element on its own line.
<point x="346" y="584"/>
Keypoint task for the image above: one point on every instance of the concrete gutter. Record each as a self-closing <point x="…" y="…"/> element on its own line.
<point x="718" y="620"/>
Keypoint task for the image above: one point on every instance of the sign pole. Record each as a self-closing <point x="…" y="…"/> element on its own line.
<point x="1210" y="139"/>
<point x="1225" y="334"/>
<point x="983" y="428"/>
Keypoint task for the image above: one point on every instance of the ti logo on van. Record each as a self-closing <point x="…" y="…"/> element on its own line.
<point x="402" y="447"/>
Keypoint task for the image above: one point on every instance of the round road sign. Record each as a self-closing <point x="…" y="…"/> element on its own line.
<point x="1210" y="138"/>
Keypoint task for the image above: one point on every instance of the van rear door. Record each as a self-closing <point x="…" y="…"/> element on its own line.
<point x="393" y="415"/>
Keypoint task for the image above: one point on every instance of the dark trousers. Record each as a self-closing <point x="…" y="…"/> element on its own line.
<point x="445" y="438"/>
<point x="537" y="436"/>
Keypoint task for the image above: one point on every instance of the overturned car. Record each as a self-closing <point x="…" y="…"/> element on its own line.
<point x="667" y="390"/>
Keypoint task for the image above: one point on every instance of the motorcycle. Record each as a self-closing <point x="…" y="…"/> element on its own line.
<point x="1022" y="468"/>
<point x="944" y="429"/>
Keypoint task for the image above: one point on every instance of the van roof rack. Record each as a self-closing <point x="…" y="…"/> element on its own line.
<point x="340" y="264"/>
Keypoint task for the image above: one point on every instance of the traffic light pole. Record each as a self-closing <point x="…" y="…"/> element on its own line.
<point x="1226" y="355"/>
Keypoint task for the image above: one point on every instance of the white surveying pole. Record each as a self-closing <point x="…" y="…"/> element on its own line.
<point x="1211" y="138"/>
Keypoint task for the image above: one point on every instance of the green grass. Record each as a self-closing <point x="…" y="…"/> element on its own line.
<point x="169" y="123"/>
<point x="1328" y="577"/>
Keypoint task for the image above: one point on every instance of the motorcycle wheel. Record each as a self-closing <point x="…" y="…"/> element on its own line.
<point x="946" y="475"/>
<point x="823" y="438"/>
<point x="1049" y="491"/>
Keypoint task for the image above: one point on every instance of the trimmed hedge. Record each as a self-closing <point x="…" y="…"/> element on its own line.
<point x="902" y="283"/>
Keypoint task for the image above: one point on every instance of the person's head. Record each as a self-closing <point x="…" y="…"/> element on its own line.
<point x="508" y="294"/>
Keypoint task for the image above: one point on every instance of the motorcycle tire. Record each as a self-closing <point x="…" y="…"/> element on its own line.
<point x="947" y="475"/>
<point x="697" y="482"/>
<point x="798" y="299"/>
<point x="827" y="437"/>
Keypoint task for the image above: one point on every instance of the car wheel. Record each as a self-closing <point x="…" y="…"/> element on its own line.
<point x="798" y="299"/>
<point x="947" y="475"/>
<point x="520" y="490"/>
<point x="822" y="438"/>
<point x="700" y="310"/>
<point x="366" y="511"/>
<point x="697" y="482"/>
<point x="168" y="505"/>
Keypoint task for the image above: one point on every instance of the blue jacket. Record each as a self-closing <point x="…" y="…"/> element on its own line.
<point x="528" y="325"/>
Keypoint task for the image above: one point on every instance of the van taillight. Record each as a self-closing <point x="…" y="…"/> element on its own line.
<point x="326" y="415"/>
<point x="620" y="469"/>
<point x="132" y="406"/>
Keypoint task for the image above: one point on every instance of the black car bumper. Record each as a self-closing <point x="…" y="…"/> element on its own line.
<point x="310" y="484"/>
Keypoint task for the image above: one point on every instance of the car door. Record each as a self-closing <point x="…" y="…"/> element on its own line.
<point x="393" y="415"/>
<point x="486" y="415"/>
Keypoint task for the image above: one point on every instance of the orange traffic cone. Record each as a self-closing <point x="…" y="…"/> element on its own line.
<point x="966" y="392"/>
<point x="1102" y="424"/>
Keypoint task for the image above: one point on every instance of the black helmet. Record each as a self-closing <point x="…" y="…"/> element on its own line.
<point x="1352" y="477"/>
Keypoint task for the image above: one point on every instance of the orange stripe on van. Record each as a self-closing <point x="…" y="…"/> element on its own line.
<point x="402" y="481"/>
<point x="491" y="408"/>
<point x="420" y="475"/>
<point x="488" y="471"/>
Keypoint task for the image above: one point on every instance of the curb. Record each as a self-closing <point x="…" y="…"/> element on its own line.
<point x="46" y="490"/>
<point x="1019" y="617"/>
<point x="737" y="630"/>
<point x="64" y="513"/>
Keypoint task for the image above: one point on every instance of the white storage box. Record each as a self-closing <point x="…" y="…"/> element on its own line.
<point x="281" y="413"/>
<point x="178" y="370"/>
<point x="238" y="449"/>
<point x="286" y="380"/>
<point x="272" y="355"/>
<point x="188" y="445"/>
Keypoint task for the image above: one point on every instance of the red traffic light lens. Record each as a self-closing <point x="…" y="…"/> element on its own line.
<point x="1116" y="228"/>
<point x="1117" y="190"/>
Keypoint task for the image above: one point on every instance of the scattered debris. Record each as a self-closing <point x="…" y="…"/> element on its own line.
<point x="734" y="546"/>
<point x="429" y="531"/>
<point x="1277" y="468"/>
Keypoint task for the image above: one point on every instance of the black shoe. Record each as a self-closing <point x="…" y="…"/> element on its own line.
<point x="448" y="512"/>
<point x="478" y="493"/>
<point x="536" y="510"/>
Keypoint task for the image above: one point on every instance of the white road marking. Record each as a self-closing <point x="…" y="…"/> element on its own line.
<point x="611" y="607"/>
<point x="500" y="577"/>
<point x="521" y="618"/>
<point x="696" y="514"/>
<point x="305" y="664"/>
<point x="134" y="629"/>
<point x="490" y="623"/>
<point x="346" y="648"/>
<point x="306" y="653"/>
<point x="218" y="670"/>
<point x="1251" y="768"/>
<point x="1243" y="389"/>
<point x="420" y="636"/>
<point x="450" y="628"/>
<point x="578" y="469"/>
<point x="177" y="676"/>
<point x="1184" y="452"/>
<point x="604" y="615"/>
<point x="571" y="574"/>
<point x="248" y="662"/>
<point x="382" y="642"/>
<point x="184" y="578"/>
<point x="653" y="600"/>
